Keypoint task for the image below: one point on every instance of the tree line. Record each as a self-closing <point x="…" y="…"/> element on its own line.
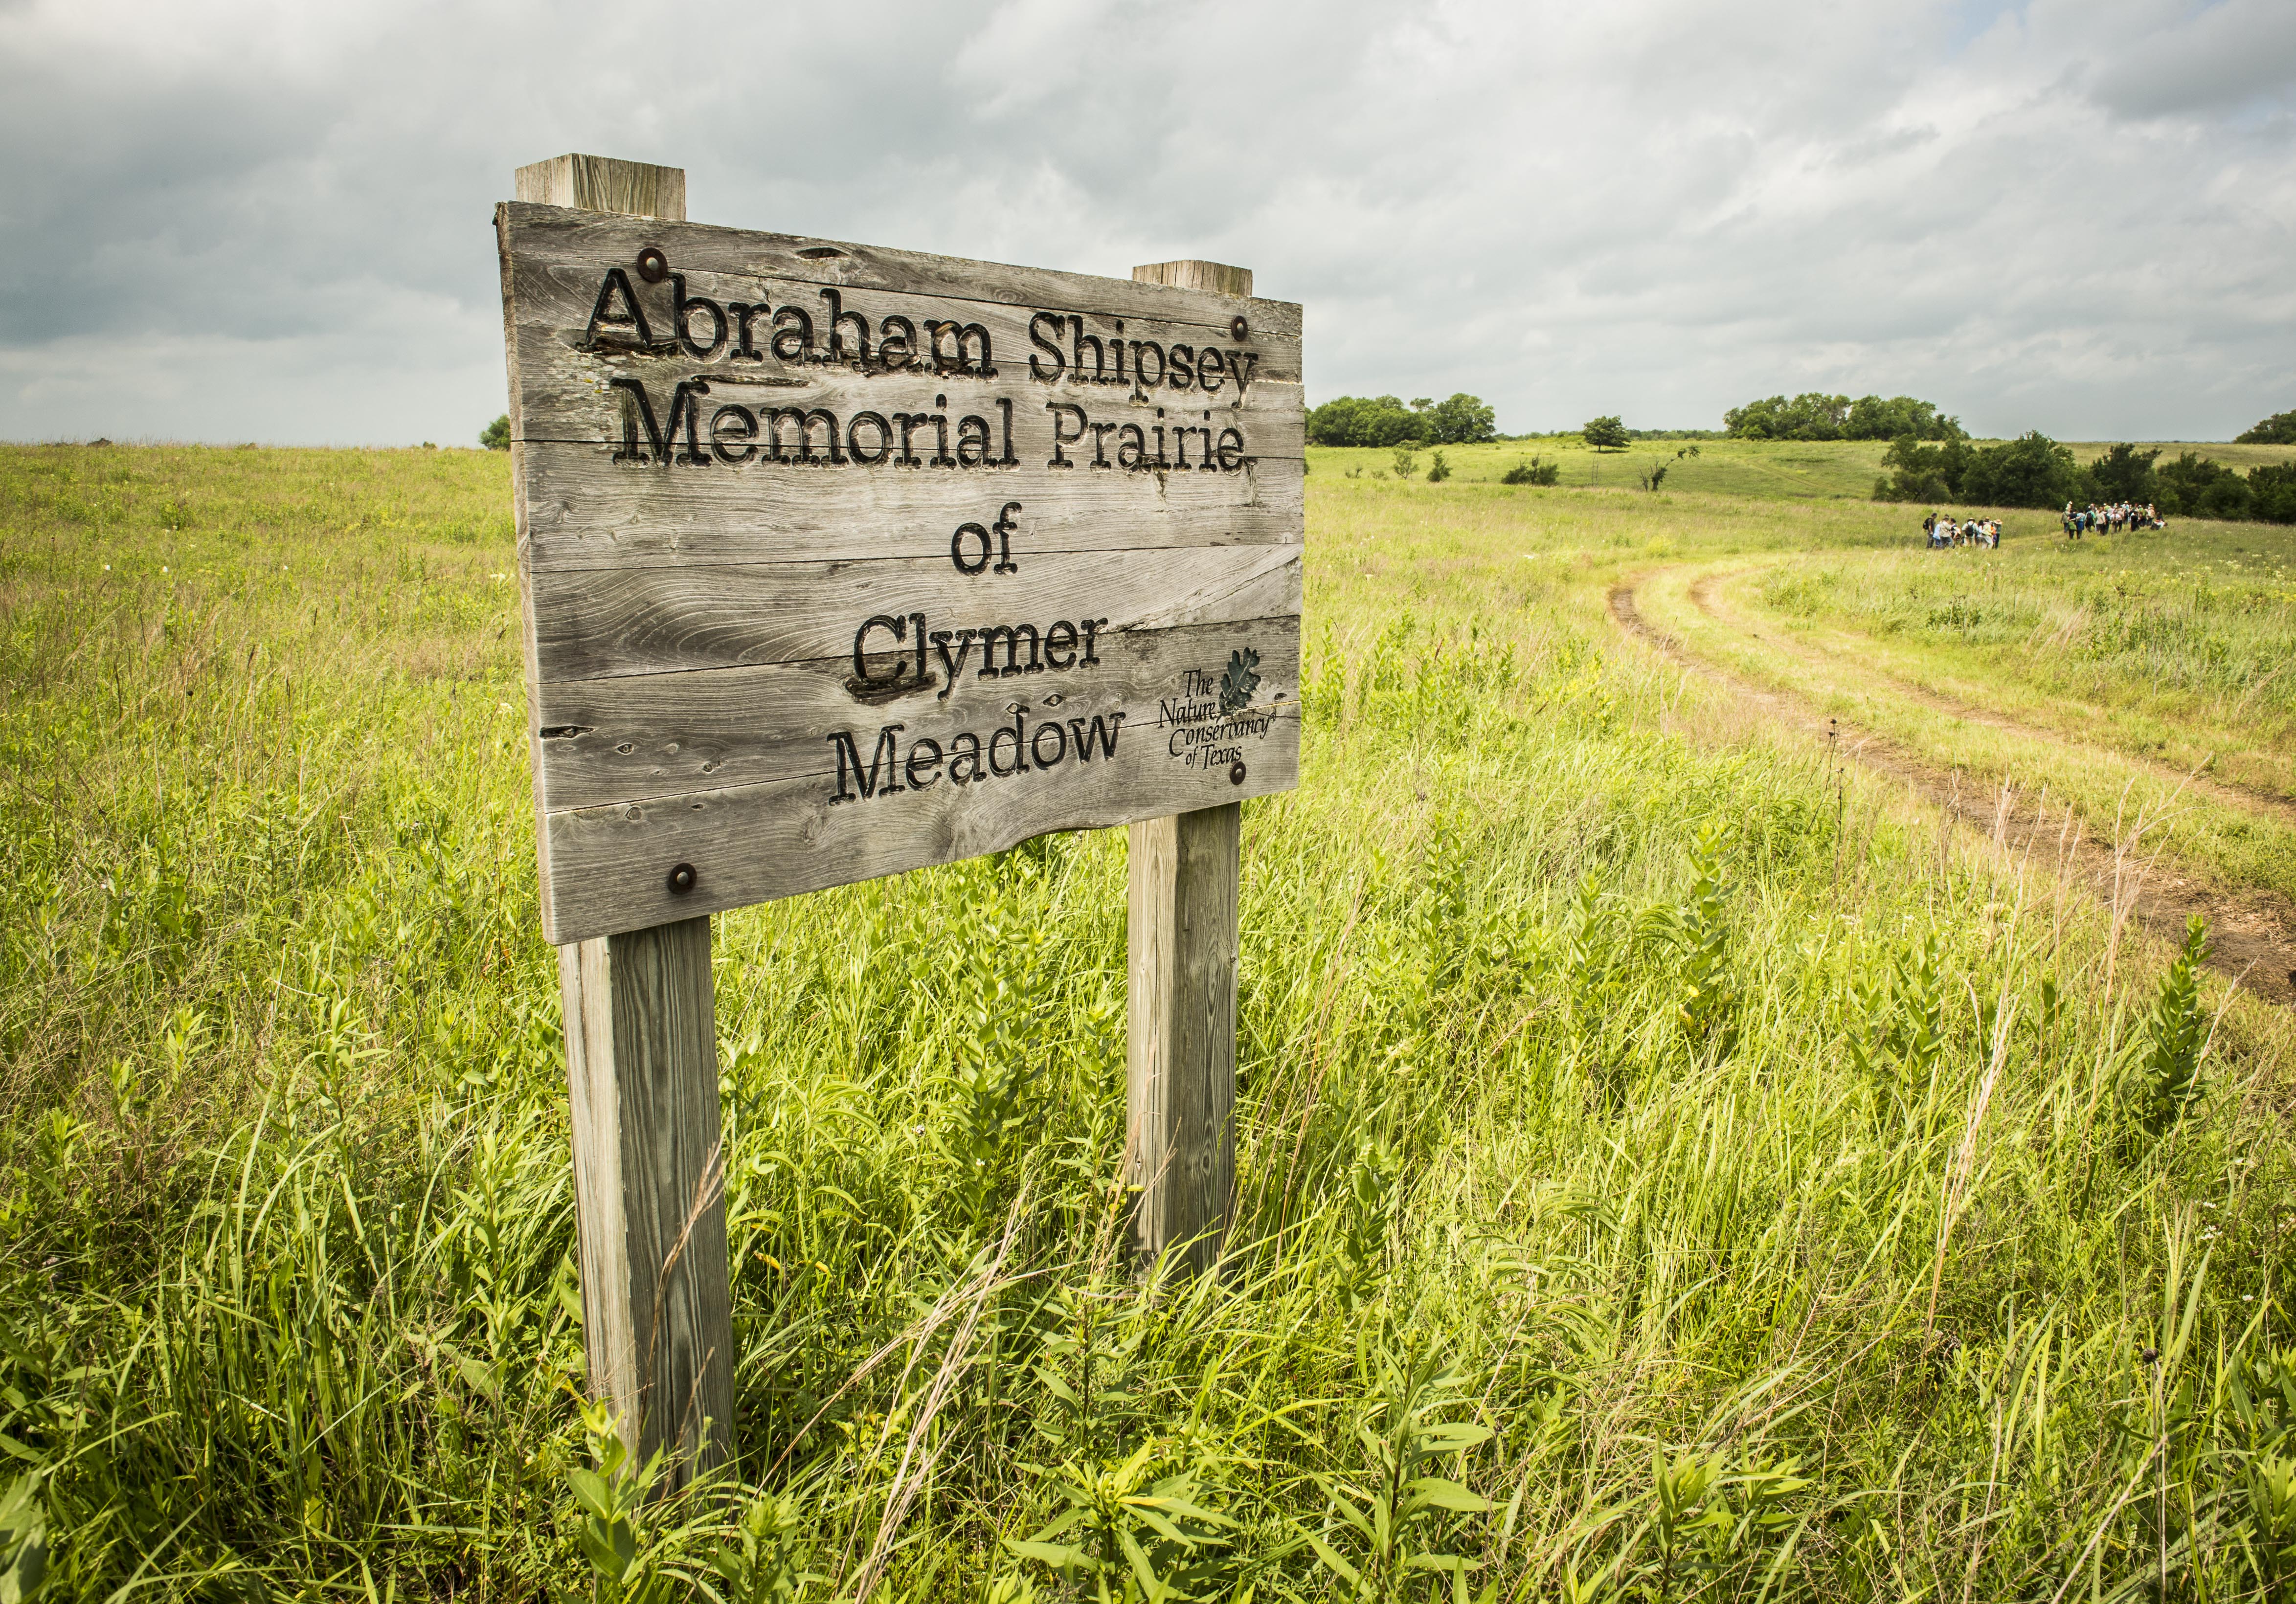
<point x="2034" y="470"/>
<point x="1464" y="419"/>
<point x="2278" y="430"/>
<point x="1817" y="417"/>
<point x="1930" y="457"/>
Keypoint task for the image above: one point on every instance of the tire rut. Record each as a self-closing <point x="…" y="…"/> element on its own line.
<point x="2231" y="794"/>
<point x="2252" y="933"/>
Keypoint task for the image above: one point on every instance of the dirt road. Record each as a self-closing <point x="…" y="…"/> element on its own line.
<point x="2253" y="932"/>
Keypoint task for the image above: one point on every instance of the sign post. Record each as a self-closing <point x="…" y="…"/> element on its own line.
<point x="1182" y="933"/>
<point x="840" y="561"/>
<point x="642" y="1064"/>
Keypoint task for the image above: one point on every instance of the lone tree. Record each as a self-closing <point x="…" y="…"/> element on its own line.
<point x="496" y="435"/>
<point x="1605" y="434"/>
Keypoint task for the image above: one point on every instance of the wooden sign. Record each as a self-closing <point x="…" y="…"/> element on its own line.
<point x="841" y="561"/>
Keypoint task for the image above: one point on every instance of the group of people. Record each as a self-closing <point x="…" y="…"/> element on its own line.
<point x="1944" y="532"/>
<point x="2115" y="517"/>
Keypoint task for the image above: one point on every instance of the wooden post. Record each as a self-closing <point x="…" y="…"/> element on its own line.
<point x="601" y="183"/>
<point x="1181" y="924"/>
<point x="642" y="1061"/>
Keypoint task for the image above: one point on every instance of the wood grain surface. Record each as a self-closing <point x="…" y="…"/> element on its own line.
<point x="1182" y="939"/>
<point x="546" y="237"/>
<point x="1218" y="277"/>
<point x="605" y="184"/>
<point x="569" y="380"/>
<point x="642" y="737"/>
<point x="582" y="511"/>
<point x="642" y="1063"/>
<point x="700" y="564"/>
<point x="756" y="843"/>
<point x="653" y="620"/>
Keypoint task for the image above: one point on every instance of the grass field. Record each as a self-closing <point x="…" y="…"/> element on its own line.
<point x="2131" y="672"/>
<point x="1772" y="469"/>
<point x="1672" y="1165"/>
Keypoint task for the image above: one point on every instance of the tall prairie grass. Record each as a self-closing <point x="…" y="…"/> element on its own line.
<point x="1667" y="1168"/>
<point x="2195" y="623"/>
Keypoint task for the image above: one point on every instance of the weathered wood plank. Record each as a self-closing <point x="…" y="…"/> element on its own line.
<point x="655" y="620"/>
<point x="645" y="737"/>
<point x="1183" y="937"/>
<point x="1180" y="1044"/>
<point x="1218" y="277"/>
<point x="583" y="511"/>
<point x="642" y="1063"/>
<point x="640" y="1060"/>
<point x="611" y="868"/>
<point x="687" y="515"/>
<point x="774" y="333"/>
<point x="550" y="233"/>
<point x="603" y="184"/>
<point x="572" y="397"/>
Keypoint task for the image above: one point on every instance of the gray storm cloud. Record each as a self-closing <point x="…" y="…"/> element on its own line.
<point x="241" y="221"/>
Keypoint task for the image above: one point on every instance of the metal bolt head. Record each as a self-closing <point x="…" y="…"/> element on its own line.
<point x="1237" y="329"/>
<point x="1235" y="772"/>
<point x="653" y="265"/>
<point x="682" y="880"/>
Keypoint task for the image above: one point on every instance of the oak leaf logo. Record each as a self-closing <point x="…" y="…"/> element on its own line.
<point x="1240" y="680"/>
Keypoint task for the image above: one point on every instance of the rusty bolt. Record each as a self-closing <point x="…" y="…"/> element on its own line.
<point x="682" y="880"/>
<point x="653" y="265"/>
<point x="1237" y="328"/>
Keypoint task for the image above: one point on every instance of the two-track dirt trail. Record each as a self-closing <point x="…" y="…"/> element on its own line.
<point x="1706" y="595"/>
<point x="2252" y="931"/>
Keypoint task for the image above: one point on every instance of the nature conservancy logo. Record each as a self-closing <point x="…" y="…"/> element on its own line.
<point x="1213" y="717"/>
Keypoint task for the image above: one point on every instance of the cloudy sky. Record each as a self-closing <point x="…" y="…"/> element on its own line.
<point x="230" y="221"/>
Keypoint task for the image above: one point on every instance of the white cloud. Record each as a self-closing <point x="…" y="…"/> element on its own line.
<point x="226" y="220"/>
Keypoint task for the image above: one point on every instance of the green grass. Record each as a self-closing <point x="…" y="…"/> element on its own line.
<point x="1775" y="469"/>
<point x="1772" y="469"/>
<point x="2124" y="665"/>
<point x="2177" y="643"/>
<point x="1668" y="1168"/>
